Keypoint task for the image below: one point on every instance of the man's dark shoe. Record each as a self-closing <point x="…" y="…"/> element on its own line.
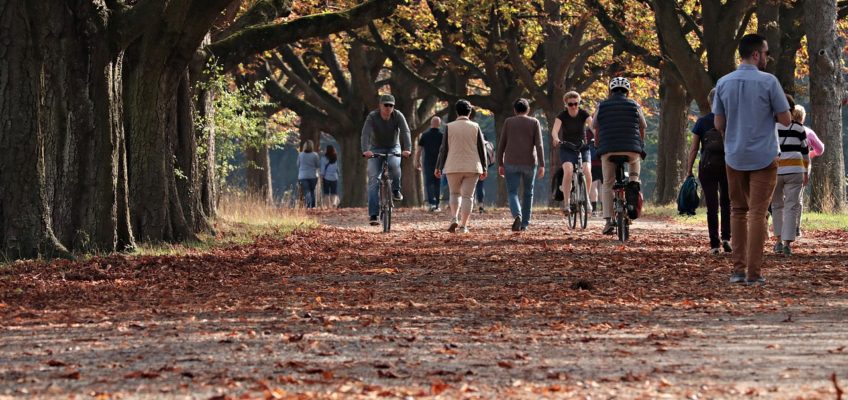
<point x="516" y="224"/>
<point x="756" y="282"/>
<point x="373" y="220"/>
<point x="453" y="226"/>
<point x="523" y="228"/>
<point x="726" y="245"/>
<point x="609" y="228"/>
<point x="397" y="195"/>
<point x="737" y="278"/>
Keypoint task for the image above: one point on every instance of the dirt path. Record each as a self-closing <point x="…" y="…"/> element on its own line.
<point x="346" y="312"/>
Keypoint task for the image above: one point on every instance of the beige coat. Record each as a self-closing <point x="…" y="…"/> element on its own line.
<point x="462" y="146"/>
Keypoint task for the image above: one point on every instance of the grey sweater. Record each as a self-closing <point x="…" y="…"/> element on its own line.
<point x="379" y="133"/>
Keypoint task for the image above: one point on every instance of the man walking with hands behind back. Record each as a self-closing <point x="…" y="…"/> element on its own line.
<point x="745" y="106"/>
<point x="521" y="158"/>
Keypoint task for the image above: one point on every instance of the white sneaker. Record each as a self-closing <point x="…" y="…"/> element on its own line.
<point x="715" y="250"/>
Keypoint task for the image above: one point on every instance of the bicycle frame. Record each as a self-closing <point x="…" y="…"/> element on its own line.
<point x="621" y="218"/>
<point x="578" y="203"/>
<point x="385" y="190"/>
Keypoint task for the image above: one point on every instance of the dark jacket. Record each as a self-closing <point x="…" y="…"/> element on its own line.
<point x="618" y="123"/>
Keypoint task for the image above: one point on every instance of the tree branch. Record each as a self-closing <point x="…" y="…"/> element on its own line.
<point x="256" y="39"/>
<point x="129" y="23"/>
<point x="615" y="30"/>
<point x="262" y="12"/>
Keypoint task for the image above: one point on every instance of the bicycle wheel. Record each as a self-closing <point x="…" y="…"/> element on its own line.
<point x="572" y="210"/>
<point x="583" y="203"/>
<point x="387" y="219"/>
<point x="621" y="224"/>
<point x="385" y="205"/>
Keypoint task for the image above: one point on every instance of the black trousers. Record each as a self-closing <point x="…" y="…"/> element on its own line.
<point x="716" y="196"/>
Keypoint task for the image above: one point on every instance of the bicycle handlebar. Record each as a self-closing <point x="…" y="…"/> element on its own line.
<point x="385" y="155"/>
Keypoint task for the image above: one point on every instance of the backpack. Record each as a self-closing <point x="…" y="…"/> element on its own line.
<point x="712" y="158"/>
<point x="687" y="198"/>
<point x="490" y="152"/>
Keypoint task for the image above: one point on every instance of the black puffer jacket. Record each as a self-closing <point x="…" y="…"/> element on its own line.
<point x="618" y="122"/>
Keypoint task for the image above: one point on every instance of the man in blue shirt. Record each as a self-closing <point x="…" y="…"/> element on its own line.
<point x="429" y="145"/>
<point x="746" y="103"/>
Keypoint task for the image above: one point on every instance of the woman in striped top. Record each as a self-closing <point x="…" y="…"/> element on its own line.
<point x="793" y="172"/>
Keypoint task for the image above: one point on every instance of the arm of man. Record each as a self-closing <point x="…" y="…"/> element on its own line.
<point x="779" y="103"/>
<point x="499" y="154"/>
<point x="405" y="135"/>
<point x="418" y="159"/>
<point x="365" y="138"/>
<point x="693" y="151"/>
<point x="540" y="149"/>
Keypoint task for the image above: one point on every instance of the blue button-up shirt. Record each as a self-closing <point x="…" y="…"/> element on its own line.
<point x="749" y="99"/>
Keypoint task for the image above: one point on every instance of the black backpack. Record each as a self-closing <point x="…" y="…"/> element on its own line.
<point x="712" y="158"/>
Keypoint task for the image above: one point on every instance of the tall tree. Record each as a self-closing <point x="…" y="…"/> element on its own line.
<point x="827" y="92"/>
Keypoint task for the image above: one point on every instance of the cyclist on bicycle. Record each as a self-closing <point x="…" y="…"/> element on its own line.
<point x="620" y="128"/>
<point x="569" y="130"/>
<point x="385" y="131"/>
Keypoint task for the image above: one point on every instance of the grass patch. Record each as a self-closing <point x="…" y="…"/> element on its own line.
<point x="240" y="220"/>
<point x="812" y="221"/>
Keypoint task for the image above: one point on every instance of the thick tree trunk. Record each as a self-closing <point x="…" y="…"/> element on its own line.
<point x="206" y="137"/>
<point x="671" y="148"/>
<point x="826" y="94"/>
<point x="25" y="223"/>
<point x="353" y="172"/>
<point x="189" y="175"/>
<point x="259" y="173"/>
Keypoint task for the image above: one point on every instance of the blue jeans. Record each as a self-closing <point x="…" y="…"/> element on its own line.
<point x="516" y="175"/>
<point x="480" y="193"/>
<point x="307" y="186"/>
<point x="432" y="185"/>
<point x="375" y="168"/>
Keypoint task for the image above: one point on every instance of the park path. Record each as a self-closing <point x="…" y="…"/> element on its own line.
<point x="344" y="311"/>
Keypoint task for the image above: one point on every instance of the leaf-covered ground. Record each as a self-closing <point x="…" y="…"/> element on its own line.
<point x="344" y="311"/>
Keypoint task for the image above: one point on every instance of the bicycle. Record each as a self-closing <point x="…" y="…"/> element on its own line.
<point x="578" y="202"/>
<point x="621" y="217"/>
<point x="385" y="191"/>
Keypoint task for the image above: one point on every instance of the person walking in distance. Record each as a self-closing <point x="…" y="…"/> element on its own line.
<point x="745" y="106"/>
<point x="799" y="113"/>
<point x="620" y="130"/>
<point x="569" y="133"/>
<point x="793" y="173"/>
<point x="462" y="159"/>
<point x="330" y="177"/>
<point x="521" y="159"/>
<point x="713" y="177"/>
<point x="426" y="155"/>
<point x="385" y="131"/>
<point x="308" y="165"/>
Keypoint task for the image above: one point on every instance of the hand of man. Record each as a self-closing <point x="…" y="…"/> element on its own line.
<point x="541" y="172"/>
<point x="501" y="171"/>
<point x="555" y="142"/>
<point x="438" y="173"/>
<point x="368" y="154"/>
<point x="405" y="153"/>
<point x="484" y="175"/>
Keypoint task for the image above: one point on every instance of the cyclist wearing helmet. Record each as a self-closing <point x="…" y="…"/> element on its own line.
<point x="620" y="130"/>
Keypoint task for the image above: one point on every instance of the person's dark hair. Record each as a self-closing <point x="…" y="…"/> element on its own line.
<point x="791" y="101"/>
<point x="521" y="106"/>
<point x="463" y="108"/>
<point x="331" y="154"/>
<point x="749" y="44"/>
<point x="619" y="90"/>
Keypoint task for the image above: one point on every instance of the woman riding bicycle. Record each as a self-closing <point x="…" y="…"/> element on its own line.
<point x="620" y="128"/>
<point x="569" y="130"/>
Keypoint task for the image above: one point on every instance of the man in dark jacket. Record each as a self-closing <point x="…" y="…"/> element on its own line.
<point x="620" y="127"/>
<point x="428" y="147"/>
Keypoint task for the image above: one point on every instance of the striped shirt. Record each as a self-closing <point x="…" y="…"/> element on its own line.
<point x="794" y="149"/>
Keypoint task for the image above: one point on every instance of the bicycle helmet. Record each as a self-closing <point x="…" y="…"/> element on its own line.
<point x="619" y="82"/>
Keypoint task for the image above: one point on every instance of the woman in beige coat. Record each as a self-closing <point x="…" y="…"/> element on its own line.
<point x="462" y="159"/>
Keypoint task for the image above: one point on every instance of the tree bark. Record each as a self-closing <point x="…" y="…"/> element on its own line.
<point x="25" y="222"/>
<point x="259" y="173"/>
<point x="826" y="93"/>
<point x="671" y="148"/>
<point x="353" y="172"/>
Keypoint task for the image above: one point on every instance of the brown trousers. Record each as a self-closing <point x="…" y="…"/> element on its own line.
<point x="750" y="196"/>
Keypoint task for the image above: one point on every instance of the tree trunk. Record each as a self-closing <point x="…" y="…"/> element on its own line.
<point x="25" y="222"/>
<point x="826" y="94"/>
<point x="671" y="147"/>
<point x="500" y="117"/>
<point x="259" y="173"/>
<point x="353" y="172"/>
<point x="206" y="137"/>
